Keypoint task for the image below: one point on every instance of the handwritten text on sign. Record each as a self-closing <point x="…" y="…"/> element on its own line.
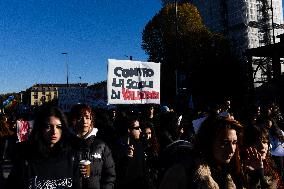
<point x="133" y="82"/>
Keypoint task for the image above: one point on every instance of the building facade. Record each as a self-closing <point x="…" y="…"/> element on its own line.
<point x="39" y="94"/>
<point x="247" y="24"/>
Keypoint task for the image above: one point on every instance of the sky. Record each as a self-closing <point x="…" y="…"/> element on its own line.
<point x="35" y="33"/>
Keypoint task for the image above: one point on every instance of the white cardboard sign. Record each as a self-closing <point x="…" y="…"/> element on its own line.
<point x="133" y="82"/>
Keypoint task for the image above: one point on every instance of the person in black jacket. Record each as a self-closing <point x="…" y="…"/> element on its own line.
<point x="46" y="160"/>
<point x="91" y="148"/>
<point x="129" y="155"/>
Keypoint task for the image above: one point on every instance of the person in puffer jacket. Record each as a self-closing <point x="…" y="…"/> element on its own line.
<point x="91" y="148"/>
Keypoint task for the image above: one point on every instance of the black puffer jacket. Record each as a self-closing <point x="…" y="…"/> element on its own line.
<point x="102" y="165"/>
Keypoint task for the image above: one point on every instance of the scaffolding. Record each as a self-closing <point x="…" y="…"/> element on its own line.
<point x="263" y="71"/>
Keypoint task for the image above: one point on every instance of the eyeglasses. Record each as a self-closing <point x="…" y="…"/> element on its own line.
<point x="135" y="128"/>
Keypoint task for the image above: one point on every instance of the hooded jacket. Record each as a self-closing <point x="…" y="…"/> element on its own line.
<point x="102" y="165"/>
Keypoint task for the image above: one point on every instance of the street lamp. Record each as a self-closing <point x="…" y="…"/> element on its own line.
<point x="177" y="49"/>
<point x="67" y="68"/>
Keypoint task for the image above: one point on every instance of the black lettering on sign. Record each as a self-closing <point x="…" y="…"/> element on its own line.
<point x="130" y="72"/>
<point x="117" y="82"/>
<point x="132" y="84"/>
<point x="115" y="94"/>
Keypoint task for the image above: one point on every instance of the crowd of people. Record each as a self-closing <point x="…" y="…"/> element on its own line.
<point x="146" y="147"/>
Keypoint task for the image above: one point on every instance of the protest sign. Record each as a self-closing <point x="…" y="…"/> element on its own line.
<point x="278" y="151"/>
<point x="68" y="97"/>
<point x="24" y="129"/>
<point x="133" y="82"/>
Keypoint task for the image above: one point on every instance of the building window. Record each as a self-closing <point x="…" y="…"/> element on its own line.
<point x="43" y="99"/>
<point x="49" y="97"/>
<point x="35" y="96"/>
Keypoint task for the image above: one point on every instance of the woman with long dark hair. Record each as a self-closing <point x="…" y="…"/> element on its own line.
<point x="46" y="160"/>
<point x="259" y="167"/>
<point x="216" y="160"/>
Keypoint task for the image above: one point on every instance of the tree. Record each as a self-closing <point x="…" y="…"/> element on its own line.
<point x="181" y="42"/>
<point x="165" y="2"/>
